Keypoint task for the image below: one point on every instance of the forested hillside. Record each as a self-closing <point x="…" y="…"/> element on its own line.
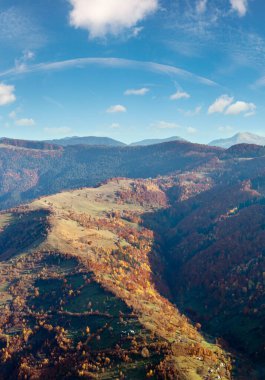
<point x="29" y="173"/>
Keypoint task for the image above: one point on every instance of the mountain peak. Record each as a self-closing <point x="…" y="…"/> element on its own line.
<point x="239" y="138"/>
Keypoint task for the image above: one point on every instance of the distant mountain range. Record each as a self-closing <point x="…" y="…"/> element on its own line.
<point x="106" y="141"/>
<point x="239" y="138"/>
<point x="86" y="140"/>
<point x="156" y="141"/>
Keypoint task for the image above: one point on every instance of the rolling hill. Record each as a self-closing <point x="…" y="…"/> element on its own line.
<point x="29" y="173"/>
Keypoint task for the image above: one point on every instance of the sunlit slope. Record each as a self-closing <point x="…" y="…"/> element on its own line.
<point x="87" y="291"/>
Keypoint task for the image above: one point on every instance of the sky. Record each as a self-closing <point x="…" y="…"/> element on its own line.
<point x="132" y="69"/>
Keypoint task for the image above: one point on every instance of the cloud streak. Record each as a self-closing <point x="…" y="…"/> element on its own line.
<point x="139" y="92"/>
<point x="25" y="122"/>
<point x="166" y="125"/>
<point x="158" y="68"/>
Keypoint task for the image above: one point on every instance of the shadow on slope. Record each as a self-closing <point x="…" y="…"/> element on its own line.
<point x="25" y="229"/>
<point x="212" y="246"/>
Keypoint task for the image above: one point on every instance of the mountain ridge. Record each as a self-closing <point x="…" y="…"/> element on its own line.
<point x="89" y="303"/>
<point x="154" y="141"/>
<point x="86" y="140"/>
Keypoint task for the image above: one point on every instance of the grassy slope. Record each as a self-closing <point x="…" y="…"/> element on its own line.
<point x="100" y="229"/>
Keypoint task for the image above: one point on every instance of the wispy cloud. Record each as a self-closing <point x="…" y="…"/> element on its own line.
<point x="194" y="112"/>
<point x="25" y="122"/>
<point x="211" y="27"/>
<point x="19" y="29"/>
<point x="140" y="91"/>
<point x="118" y="108"/>
<point x="115" y="126"/>
<point x="159" y="68"/>
<point x="53" y="101"/>
<point x="7" y="95"/>
<point x="226" y="129"/>
<point x="259" y="83"/>
<point x="112" y="17"/>
<point x="13" y="115"/>
<point x="27" y="56"/>
<point x="165" y="125"/>
<point x="180" y="95"/>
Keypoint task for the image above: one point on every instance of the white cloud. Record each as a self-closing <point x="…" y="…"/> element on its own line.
<point x="180" y="95"/>
<point x="241" y="107"/>
<point x="7" y="95"/>
<point x="192" y="131"/>
<point x="166" y="125"/>
<point x="58" y="131"/>
<point x="226" y="105"/>
<point x="201" y="6"/>
<point x="103" y="17"/>
<point x="239" y="6"/>
<point x="118" y="108"/>
<point x="220" y="104"/>
<point x="25" y="122"/>
<point x="140" y="91"/>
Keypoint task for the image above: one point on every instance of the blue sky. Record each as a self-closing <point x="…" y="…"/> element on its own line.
<point x="132" y="69"/>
